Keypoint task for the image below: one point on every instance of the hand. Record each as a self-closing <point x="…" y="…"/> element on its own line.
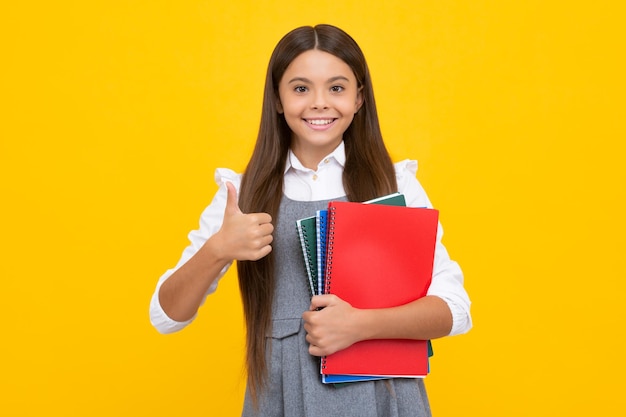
<point x="330" y="325"/>
<point x="243" y="237"/>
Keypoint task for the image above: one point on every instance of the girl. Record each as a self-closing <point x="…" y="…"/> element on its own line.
<point x="319" y="140"/>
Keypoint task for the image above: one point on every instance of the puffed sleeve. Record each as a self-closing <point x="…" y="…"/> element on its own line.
<point x="210" y="222"/>
<point x="447" y="281"/>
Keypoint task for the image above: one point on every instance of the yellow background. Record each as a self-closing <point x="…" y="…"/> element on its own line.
<point x="115" y="114"/>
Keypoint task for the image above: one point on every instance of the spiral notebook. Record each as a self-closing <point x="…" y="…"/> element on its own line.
<point x="379" y="256"/>
<point x="321" y="229"/>
<point x="306" y="233"/>
<point x="320" y="237"/>
<point x="312" y="236"/>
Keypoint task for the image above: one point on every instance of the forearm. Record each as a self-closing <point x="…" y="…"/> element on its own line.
<point x="423" y="319"/>
<point x="182" y="293"/>
<point x="332" y="324"/>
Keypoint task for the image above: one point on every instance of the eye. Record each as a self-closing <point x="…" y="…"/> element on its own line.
<point x="300" y="89"/>
<point x="336" y="89"/>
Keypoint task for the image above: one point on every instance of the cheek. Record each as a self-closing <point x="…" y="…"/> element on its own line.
<point x="292" y="107"/>
<point x="293" y="121"/>
<point x="349" y="110"/>
<point x="349" y="119"/>
<point x="350" y="107"/>
<point x="291" y="115"/>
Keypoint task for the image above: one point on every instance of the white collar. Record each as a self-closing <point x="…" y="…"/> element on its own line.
<point x="339" y="155"/>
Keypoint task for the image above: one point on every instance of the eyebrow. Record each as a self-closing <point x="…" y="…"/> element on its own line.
<point x="330" y="80"/>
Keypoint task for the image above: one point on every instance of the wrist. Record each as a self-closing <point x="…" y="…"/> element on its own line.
<point x="215" y="249"/>
<point x="364" y="324"/>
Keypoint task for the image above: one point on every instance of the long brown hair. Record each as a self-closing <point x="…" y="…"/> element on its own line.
<point x="368" y="173"/>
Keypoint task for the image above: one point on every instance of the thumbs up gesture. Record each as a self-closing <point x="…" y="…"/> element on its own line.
<point x="244" y="237"/>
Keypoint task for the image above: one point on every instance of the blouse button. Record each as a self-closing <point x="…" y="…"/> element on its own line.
<point x="314" y="177"/>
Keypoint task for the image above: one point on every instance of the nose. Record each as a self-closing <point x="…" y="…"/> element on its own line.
<point x="320" y="100"/>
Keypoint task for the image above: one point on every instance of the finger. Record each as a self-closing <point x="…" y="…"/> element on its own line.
<point x="262" y="219"/>
<point x="266" y="240"/>
<point x="316" y="351"/>
<point x="266" y="229"/>
<point x="313" y="302"/>
<point x="232" y="200"/>
<point x="261" y="253"/>
<point x="320" y="301"/>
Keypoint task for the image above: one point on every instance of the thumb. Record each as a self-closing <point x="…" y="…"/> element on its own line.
<point x="232" y="200"/>
<point x="320" y="301"/>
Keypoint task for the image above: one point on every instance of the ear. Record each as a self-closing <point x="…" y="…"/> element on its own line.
<point x="359" y="100"/>
<point x="279" y="106"/>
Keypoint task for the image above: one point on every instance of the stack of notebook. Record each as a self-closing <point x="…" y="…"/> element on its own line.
<point x="376" y="254"/>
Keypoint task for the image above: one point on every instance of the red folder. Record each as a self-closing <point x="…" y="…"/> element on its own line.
<point x="380" y="256"/>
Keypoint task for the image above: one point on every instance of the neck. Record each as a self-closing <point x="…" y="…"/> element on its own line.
<point x="311" y="156"/>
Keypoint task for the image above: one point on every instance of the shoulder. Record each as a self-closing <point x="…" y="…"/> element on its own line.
<point x="406" y="172"/>
<point x="224" y="175"/>
<point x="213" y="213"/>
<point x="408" y="184"/>
<point x="407" y="167"/>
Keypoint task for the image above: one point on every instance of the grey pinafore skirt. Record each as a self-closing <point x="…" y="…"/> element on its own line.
<point x="294" y="387"/>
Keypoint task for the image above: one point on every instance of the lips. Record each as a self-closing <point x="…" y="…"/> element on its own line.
<point x="319" y="122"/>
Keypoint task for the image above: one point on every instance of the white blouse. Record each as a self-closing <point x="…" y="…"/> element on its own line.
<point x="304" y="184"/>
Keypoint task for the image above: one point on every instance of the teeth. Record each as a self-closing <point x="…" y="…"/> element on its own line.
<point x="320" y="122"/>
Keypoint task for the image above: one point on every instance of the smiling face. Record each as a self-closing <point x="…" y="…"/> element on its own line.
<point x="319" y="96"/>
